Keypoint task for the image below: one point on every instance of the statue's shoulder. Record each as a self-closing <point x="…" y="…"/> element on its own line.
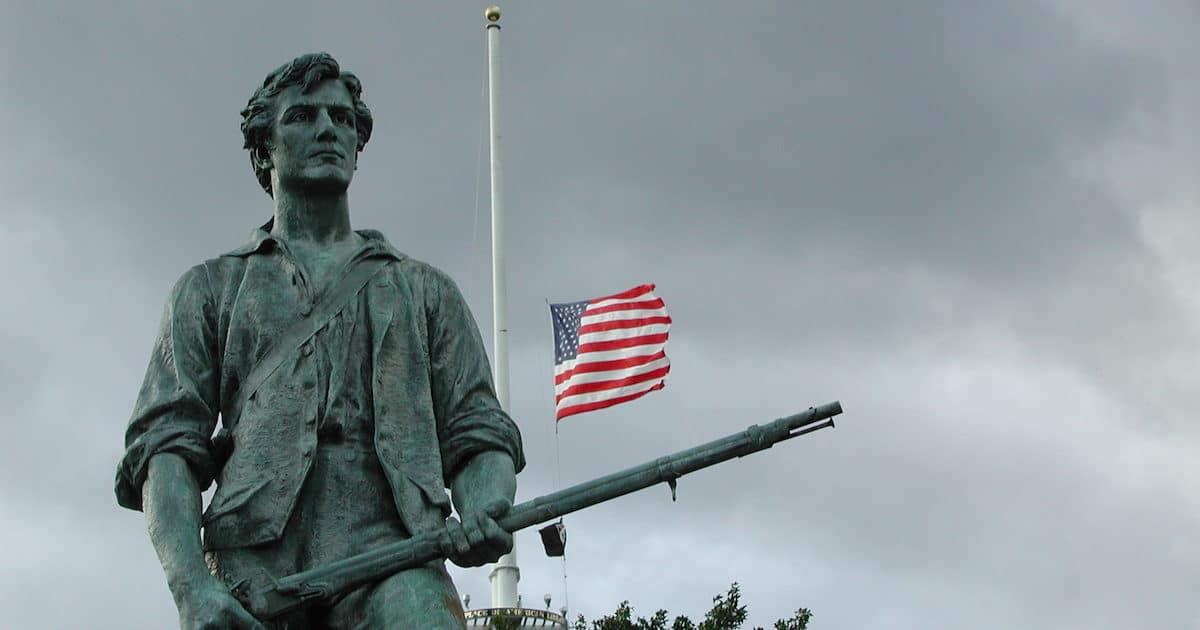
<point x="192" y="286"/>
<point x="421" y="271"/>
<point x="424" y="278"/>
<point x="228" y="269"/>
<point x="223" y="274"/>
<point x="405" y="268"/>
<point x="224" y="271"/>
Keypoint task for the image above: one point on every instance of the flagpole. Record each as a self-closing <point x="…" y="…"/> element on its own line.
<point x="505" y="574"/>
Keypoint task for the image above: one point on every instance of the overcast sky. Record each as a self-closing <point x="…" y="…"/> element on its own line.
<point x="975" y="227"/>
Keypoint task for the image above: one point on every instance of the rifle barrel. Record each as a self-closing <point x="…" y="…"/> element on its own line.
<point x="307" y="587"/>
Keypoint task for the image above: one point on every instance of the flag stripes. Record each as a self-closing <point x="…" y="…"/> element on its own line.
<point x="607" y="366"/>
<point x="601" y="403"/>
<point x="577" y="389"/>
<point x="609" y="350"/>
<point x="571" y="383"/>
<point x="621" y="324"/>
<point x="649" y="306"/>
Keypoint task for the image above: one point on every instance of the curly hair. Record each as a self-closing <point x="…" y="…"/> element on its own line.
<point x="307" y="71"/>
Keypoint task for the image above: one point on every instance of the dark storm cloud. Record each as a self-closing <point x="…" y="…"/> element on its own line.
<point x="898" y="207"/>
<point x="918" y="151"/>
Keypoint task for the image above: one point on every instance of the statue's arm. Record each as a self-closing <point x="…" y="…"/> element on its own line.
<point x="177" y="407"/>
<point x="480" y="444"/>
<point x="470" y="420"/>
<point x="168" y="455"/>
<point x="171" y="501"/>
<point x="483" y="490"/>
<point x="485" y="478"/>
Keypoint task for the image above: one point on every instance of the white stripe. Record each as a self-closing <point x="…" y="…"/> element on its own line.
<point x="641" y="350"/>
<point x="571" y="401"/>
<point x="618" y="315"/>
<point x="592" y="377"/>
<point x="624" y="333"/>
<point x="608" y="355"/>
<point x="641" y="297"/>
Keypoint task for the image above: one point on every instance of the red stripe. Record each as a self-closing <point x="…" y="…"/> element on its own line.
<point x="588" y="388"/>
<point x="608" y="366"/>
<point x="601" y="404"/>
<point x="622" y="323"/>
<point x="625" y="295"/>
<point x="647" y="305"/>
<point x="617" y="344"/>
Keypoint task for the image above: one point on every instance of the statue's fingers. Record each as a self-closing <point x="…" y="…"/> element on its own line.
<point x="444" y="542"/>
<point x="498" y="508"/>
<point x="504" y="542"/>
<point x="499" y="542"/>
<point x="475" y="532"/>
<point x="458" y="538"/>
<point x="492" y="530"/>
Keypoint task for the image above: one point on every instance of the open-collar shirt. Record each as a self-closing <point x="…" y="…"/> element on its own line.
<point x="402" y="364"/>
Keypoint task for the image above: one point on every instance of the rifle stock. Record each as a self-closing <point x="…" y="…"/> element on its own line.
<point x="314" y="585"/>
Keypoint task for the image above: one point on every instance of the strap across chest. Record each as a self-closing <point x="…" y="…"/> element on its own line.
<point x="303" y="330"/>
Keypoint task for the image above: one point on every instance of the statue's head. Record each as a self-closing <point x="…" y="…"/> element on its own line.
<point x="306" y="73"/>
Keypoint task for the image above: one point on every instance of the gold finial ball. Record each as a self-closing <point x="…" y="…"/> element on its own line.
<point x="492" y="13"/>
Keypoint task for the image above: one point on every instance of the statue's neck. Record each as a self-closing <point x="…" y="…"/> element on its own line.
<point x="319" y="219"/>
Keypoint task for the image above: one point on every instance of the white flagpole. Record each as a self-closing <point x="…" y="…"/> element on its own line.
<point x="505" y="574"/>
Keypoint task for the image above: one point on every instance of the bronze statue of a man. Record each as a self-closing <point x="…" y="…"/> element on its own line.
<point x="352" y="388"/>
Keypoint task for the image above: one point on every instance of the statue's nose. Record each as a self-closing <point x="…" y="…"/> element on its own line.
<point x="325" y="126"/>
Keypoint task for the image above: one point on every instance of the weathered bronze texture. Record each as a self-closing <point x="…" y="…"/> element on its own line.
<point x="346" y="383"/>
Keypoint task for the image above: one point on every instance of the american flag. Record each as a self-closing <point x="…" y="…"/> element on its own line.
<point x="609" y="350"/>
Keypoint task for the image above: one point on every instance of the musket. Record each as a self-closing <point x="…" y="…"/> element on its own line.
<point x="323" y="583"/>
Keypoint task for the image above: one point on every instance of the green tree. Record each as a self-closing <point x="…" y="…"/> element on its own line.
<point x="622" y="619"/>
<point x="799" y="621"/>
<point x="727" y="613"/>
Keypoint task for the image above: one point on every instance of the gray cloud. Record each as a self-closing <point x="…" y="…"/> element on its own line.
<point x="974" y="226"/>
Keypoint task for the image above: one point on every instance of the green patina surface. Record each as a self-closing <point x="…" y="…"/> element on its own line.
<point x="360" y="426"/>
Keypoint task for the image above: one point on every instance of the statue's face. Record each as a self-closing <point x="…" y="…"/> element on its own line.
<point x="314" y="142"/>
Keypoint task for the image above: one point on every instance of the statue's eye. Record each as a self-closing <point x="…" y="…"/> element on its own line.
<point x="300" y="115"/>
<point x="343" y="118"/>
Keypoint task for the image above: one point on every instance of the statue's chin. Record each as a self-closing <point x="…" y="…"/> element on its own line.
<point x="327" y="186"/>
<point x="321" y="186"/>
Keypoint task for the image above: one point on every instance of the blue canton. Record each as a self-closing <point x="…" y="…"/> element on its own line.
<point x="566" y="329"/>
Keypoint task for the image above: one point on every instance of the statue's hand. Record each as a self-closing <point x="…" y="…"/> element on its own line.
<point x="212" y="607"/>
<point x="478" y="539"/>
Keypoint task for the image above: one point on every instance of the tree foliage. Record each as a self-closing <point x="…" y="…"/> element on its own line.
<point x="727" y="613"/>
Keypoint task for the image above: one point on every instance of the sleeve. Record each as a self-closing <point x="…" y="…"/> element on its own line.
<point x="176" y="409"/>
<point x="469" y="417"/>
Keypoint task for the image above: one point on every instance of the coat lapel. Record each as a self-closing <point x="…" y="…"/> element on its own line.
<point x="382" y="301"/>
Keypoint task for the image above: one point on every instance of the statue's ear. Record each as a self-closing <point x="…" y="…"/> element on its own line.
<point x="262" y="158"/>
